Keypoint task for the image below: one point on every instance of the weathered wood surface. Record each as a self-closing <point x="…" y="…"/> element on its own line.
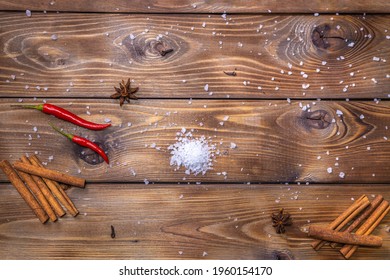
<point x="183" y="222"/>
<point x="73" y="59"/>
<point x="276" y="141"/>
<point x="203" y="6"/>
<point x="91" y="53"/>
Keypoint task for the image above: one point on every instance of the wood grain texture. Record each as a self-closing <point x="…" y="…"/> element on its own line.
<point x="201" y="6"/>
<point x="276" y="141"/>
<point x="93" y="52"/>
<point x="311" y="157"/>
<point x="183" y="222"/>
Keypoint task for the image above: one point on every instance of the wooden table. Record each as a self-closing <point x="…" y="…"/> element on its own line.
<point x="310" y="92"/>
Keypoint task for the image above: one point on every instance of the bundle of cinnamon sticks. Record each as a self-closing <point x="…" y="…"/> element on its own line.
<point x="42" y="189"/>
<point x="362" y="217"/>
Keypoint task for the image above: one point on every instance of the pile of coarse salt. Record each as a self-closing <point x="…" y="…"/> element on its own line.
<point x="194" y="154"/>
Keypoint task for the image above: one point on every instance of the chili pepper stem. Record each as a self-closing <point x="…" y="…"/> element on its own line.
<point x="37" y="107"/>
<point x="68" y="135"/>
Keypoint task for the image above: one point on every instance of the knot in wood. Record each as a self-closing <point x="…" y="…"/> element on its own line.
<point x="283" y="255"/>
<point x="52" y="57"/>
<point x="142" y="48"/>
<point x="319" y="119"/>
<point x="161" y="47"/>
<point x="330" y="38"/>
<point x="88" y="155"/>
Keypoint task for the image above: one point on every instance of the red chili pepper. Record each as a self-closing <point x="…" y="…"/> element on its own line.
<point x="83" y="142"/>
<point x="66" y="115"/>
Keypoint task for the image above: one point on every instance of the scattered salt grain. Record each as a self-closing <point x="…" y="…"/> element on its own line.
<point x="342" y="175"/>
<point x="233" y="145"/>
<point x="329" y="170"/>
<point x="206" y="87"/>
<point x="375" y="58"/>
<point x="28" y="13"/>
<point x="54" y="37"/>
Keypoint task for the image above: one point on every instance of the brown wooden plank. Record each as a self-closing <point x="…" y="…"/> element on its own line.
<point x="276" y="141"/>
<point x="183" y="222"/>
<point x="93" y="52"/>
<point x="190" y="6"/>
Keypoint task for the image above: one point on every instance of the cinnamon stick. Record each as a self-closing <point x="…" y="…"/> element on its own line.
<point x="38" y="194"/>
<point x="323" y="233"/>
<point x="71" y="204"/>
<point x="367" y="227"/>
<point x="367" y="212"/>
<point x="349" y="213"/>
<point x="46" y="191"/>
<point x="50" y="174"/>
<point x="353" y="215"/>
<point x="23" y="190"/>
<point x="55" y="189"/>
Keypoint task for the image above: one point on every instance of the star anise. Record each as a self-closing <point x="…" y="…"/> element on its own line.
<point x="280" y="220"/>
<point x="124" y="92"/>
